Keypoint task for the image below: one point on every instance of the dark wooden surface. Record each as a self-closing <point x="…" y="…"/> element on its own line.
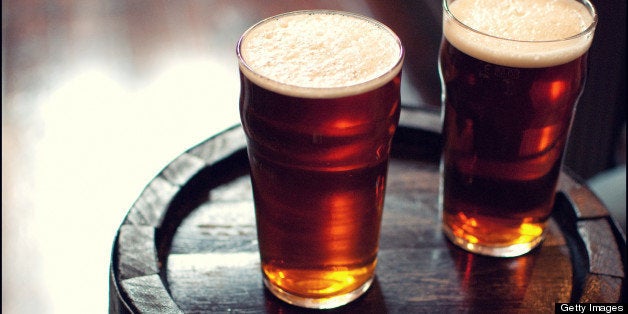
<point x="188" y="244"/>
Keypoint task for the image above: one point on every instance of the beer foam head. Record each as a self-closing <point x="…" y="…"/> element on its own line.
<point x="520" y="33"/>
<point x="320" y="54"/>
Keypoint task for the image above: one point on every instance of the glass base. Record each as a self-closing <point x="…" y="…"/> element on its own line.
<point x="493" y="250"/>
<point x="318" y="303"/>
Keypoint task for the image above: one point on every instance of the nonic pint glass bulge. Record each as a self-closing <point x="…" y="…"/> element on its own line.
<point x="319" y="103"/>
<point x="511" y="73"/>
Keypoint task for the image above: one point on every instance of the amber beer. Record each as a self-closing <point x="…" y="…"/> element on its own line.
<point x="510" y="89"/>
<point x="319" y="103"/>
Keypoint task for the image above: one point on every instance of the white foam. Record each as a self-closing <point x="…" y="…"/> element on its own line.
<point x="516" y="28"/>
<point x="320" y="54"/>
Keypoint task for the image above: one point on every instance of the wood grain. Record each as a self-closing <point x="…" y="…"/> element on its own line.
<point x="205" y="252"/>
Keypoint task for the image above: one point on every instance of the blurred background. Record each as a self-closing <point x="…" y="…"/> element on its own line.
<point x="99" y="96"/>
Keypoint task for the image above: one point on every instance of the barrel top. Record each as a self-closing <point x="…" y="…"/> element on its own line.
<point x="188" y="243"/>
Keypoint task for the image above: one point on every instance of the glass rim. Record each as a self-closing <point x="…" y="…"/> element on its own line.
<point x="329" y="92"/>
<point x="584" y="32"/>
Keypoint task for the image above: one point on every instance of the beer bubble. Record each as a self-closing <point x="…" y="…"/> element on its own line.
<point x="321" y="50"/>
<point x="519" y="30"/>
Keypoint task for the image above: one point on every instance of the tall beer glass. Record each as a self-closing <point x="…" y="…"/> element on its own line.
<point x="511" y="73"/>
<point x="319" y="103"/>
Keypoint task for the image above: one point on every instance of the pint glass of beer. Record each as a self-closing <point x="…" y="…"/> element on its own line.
<point x="319" y="103"/>
<point x="511" y="73"/>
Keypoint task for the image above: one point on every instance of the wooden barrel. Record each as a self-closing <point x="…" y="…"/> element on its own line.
<point x="188" y="244"/>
